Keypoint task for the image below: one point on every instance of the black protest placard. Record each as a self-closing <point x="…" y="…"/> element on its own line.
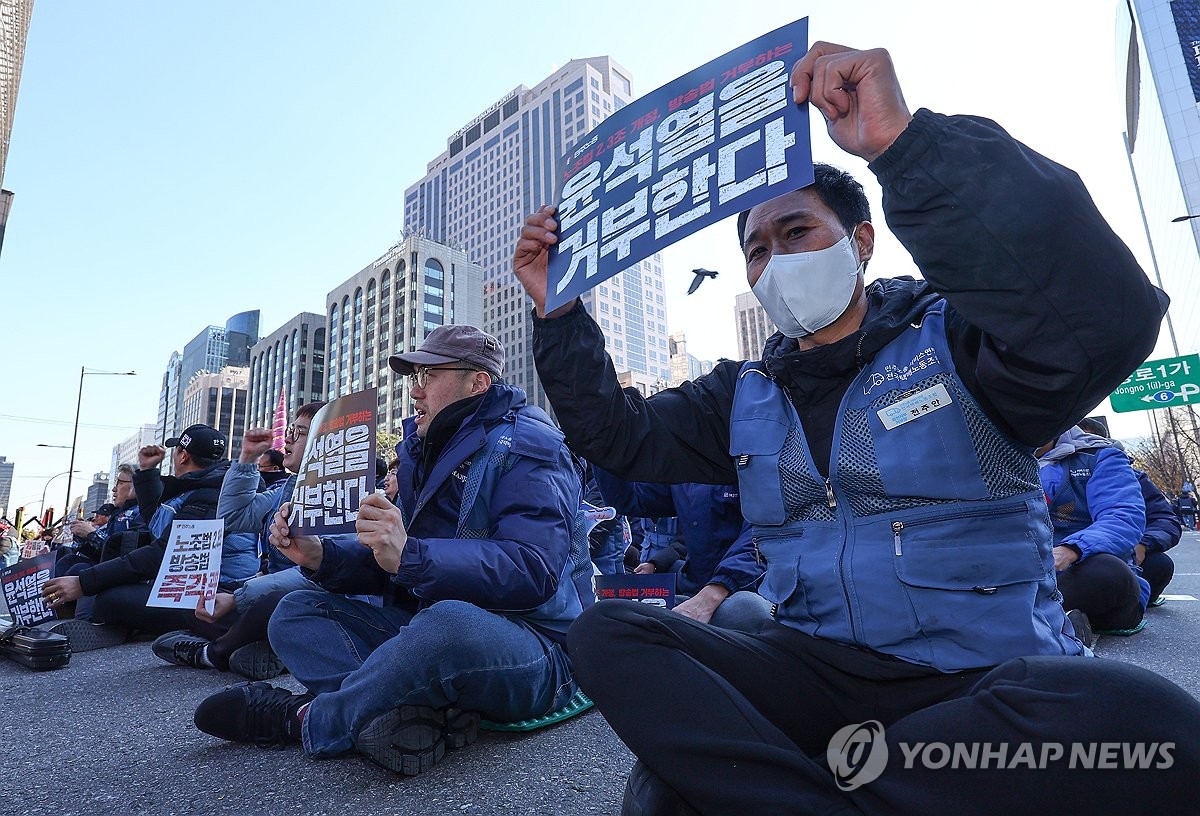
<point x="655" y="589"/>
<point x="23" y="583"/>
<point x="716" y="141"/>
<point x="338" y="469"/>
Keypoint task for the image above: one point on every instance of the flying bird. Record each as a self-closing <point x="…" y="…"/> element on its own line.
<point x="700" y="274"/>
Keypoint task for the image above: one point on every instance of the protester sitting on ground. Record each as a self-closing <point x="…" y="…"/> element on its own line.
<point x="1187" y="510"/>
<point x="883" y="451"/>
<point x="1099" y="517"/>
<point x="112" y="594"/>
<point x="90" y="538"/>
<point x="1163" y="529"/>
<point x="489" y="519"/>
<point x="606" y="540"/>
<point x="270" y="467"/>
<point x="10" y="548"/>
<point x="234" y="637"/>
<point x="102" y="515"/>
<point x="718" y="569"/>
<point x="390" y="486"/>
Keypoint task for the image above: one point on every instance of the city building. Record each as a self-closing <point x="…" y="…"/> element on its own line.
<point x="219" y="401"/>
<point x="390" y="306"/>
<point x="14" y="28"/>
<point x="98" y="492"/>
<point x="209" y="351"/>
<point x="685" y="366"/>
<point x="290" y="359"/>
<point x="753" y="326"/>
<point x="500" y="167"/>
<point x="1158" y="61"/>
<point x="644" y="383"/>
<point x="125" y="452"/>
<point x="6" y="476"/>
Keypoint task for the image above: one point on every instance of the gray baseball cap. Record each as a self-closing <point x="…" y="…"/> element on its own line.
<point x="453" y="344"/>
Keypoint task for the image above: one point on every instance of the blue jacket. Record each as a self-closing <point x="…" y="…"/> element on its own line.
<point x="497" y="523"/>
<point x="709" y="519"/>
<point x="1163" y="528"/>
<point x="124" y="520"/>
<point x="248" y="509"/>
<point x="1095" y="501"/>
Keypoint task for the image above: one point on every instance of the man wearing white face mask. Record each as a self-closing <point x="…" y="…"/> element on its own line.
<point x="883" y="446"/>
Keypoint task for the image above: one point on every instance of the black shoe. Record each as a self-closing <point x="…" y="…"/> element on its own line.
<point x="252" y="712"/>
<point x="1083" y="627"/>
<point x="183" y="649"/>
<point x="256" y="661"/>
<point x="86" y="636"/>
<point x="647" y="795"/>
<point x="412" y="739"/>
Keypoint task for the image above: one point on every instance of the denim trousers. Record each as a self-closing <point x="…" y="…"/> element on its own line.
<point x="362" y="661"/>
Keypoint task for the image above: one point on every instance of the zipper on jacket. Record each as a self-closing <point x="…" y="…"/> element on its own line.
<point x="757" y="554"/>
<point x="897" y="527"/>
<point x="830" y="499"/>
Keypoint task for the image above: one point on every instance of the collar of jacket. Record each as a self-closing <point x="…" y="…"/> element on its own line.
<point x="211" y="476"/>
<point x="892" y="305"/>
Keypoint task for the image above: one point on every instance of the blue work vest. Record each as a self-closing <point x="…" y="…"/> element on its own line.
<point x="930" y="539"/>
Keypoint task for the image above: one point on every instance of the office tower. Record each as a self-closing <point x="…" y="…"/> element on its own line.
<point x="500" y="167"/>
<point x="753" y="326"/>
<point x="219" y="401"/>
<point x="291" y="359"/>
<point x="390" y="306"/>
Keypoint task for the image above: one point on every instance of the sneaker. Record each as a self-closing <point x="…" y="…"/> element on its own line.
<point x="86" y="636"/>
<point x="647" y="795"/>
<point x="258" y="713"/>
<point x="183" y="648"/>
<point x="1083" y="627"/>
<point x="1159" y="601"/>
<point x="256" y="661"/>
<point x="412" y="739"/>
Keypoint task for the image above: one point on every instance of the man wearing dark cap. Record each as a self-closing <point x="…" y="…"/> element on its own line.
<point x="482" y="567"/>
<point x="883" y="449"/>
<point x="114" y="591"/>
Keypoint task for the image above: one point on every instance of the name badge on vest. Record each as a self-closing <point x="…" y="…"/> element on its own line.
<point x="914" y="406"/>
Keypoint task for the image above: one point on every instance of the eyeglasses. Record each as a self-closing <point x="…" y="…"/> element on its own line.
<point x="124" y="481"/>
<point x="420" y="375"/>
<point x="295" y="432"/>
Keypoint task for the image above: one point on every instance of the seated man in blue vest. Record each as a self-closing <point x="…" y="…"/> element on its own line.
<point x="883" y="447"/>
<point x="1099" y="516"/>
<point x="483" y="566"/>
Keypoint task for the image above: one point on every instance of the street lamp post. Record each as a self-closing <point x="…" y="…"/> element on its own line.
<point x="78" y="404"/>
<point x="47" y="487"/>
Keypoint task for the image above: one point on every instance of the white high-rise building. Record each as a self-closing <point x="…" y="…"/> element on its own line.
<point x="389" y="307"/>
<point x="753" y="326"/>
<point x="219" y="401"/>
<point x="125" y="452"/>
<point x="290" y="359"/>
<point x="500" y="167"/>
<point x="1158" y="43"/>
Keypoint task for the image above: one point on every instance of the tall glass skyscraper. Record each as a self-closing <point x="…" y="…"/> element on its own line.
<point x="1158" y="54"/>
<point x="500" y="167"/>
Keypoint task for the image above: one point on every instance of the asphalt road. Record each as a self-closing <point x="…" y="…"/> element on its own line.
<point x="113" y="733"/>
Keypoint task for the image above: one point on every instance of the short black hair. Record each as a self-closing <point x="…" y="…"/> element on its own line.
<point x="1092" y="426"/>
<point x="275" y="457"/>
<point x="838" y="190"/>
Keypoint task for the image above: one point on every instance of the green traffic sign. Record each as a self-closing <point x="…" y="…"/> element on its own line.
<point x="1166" y="383"/>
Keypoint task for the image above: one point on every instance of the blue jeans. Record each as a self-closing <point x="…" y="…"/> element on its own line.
<point x="362" y="660"/>
<point x="288" y="579"/>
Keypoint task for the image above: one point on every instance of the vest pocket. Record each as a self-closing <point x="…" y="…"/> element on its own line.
<point x="781" y="584"/>
<point x="755" y="444"/>
<point x="972" y="583"/>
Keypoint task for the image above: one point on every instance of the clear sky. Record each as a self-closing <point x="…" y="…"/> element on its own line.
<point x="176" y="163"/>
